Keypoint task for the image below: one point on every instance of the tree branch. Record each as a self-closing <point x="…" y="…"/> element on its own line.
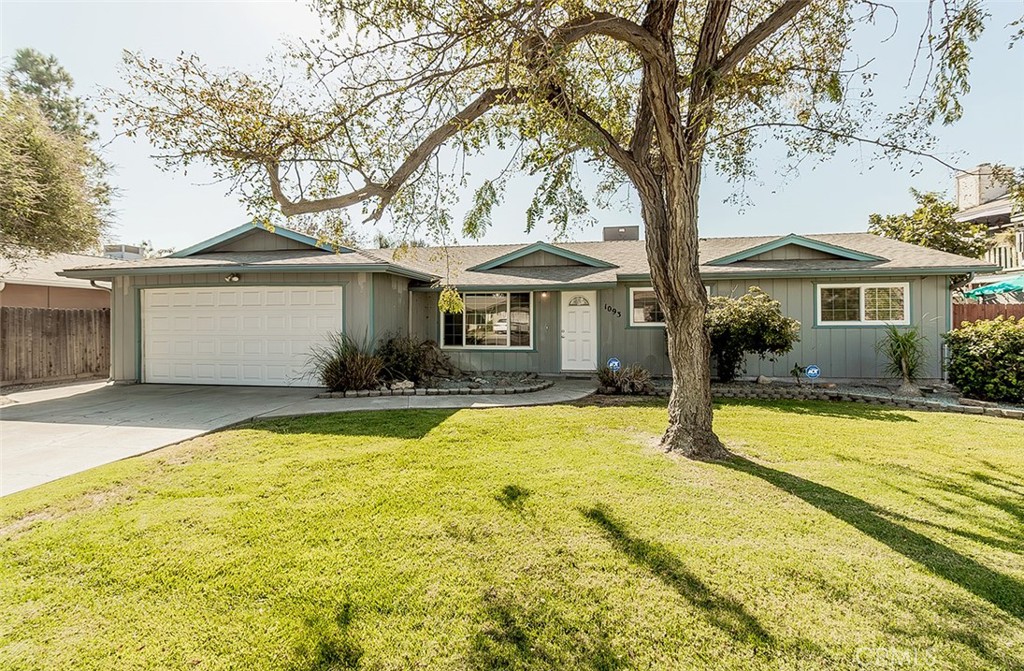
<point x="883" y="144"/>
<point x="762" y="31"/>
<point x="413" y="162"/>
<point x="602" y="23"/>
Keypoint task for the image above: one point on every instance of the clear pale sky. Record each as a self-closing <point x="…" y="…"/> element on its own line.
<point x="175" y="210"/>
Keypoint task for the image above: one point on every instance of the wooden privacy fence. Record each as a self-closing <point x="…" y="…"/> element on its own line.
<point x="49" y="345"/>
<point x="969" y="312"/>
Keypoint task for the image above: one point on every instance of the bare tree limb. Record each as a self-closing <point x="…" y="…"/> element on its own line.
<point x="883" y="144"/>
<point x="414" y="161"/>
<point x="602" y="23"/>
<point x="762" y="31"/>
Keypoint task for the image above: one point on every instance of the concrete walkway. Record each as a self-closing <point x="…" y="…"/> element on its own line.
<point x="562" y="391"/>
<point x="47" y="434"/>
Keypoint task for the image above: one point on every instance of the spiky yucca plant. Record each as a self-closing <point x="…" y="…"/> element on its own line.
<point x="904" y="353"/>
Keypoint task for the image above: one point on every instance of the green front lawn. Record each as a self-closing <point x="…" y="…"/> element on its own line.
<point x="844" y="537"/>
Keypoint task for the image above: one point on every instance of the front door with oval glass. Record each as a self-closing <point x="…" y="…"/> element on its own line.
<point x="579" y="330"/>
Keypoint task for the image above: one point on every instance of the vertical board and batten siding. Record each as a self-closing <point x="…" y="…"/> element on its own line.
<point x="261" y="241"/>
<point x="540" y="258"/>
<point x="390" y="306"/>
<point x="53" y="344"/>
<point x="840" y="351"/>
<point x="845" y="351"/>
<point x="789" y="253"/>
<point x="126" y="302"/>
<point x="543" y="357"/>
<point x="643" y="345"/>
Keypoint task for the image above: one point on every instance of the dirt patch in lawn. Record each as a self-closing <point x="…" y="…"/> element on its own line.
<point x="84" y="503"/>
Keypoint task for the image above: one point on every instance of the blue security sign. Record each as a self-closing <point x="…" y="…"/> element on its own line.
<point x="812" y="372"/>
<point x="614" y="364"/>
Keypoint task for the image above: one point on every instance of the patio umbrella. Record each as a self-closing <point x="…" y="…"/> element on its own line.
<point x="1008" y="285"/>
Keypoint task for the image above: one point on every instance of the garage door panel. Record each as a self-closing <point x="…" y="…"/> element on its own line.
<point x="235" y="335"/>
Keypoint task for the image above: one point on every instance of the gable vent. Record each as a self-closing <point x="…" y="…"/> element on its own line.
<point x="621" y="233"/>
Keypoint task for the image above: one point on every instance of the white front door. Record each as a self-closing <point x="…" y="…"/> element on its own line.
<point x="579" y="330"/>
<point x="248" y="335"/>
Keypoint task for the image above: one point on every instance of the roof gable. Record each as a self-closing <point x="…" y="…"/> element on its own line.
<point x="763" y="251"/>
<point x="235" y="240"/>
<point x="541" y="253"/>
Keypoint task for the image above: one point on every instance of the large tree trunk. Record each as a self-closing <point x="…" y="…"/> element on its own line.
<point x="670" y="222"/>
<point x="689" y="407"/>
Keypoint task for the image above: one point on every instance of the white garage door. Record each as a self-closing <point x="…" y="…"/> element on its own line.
<point x="235" y="335"/>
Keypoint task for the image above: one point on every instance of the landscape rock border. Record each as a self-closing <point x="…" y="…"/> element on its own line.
<point x="768" y="393"/>
<point x="439" y="391"/>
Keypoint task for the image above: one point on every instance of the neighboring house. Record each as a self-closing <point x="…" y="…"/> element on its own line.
<point x="982" y="199"/>
<point x="246" y="306"/>
<point x="34" y="283"/>
<point x="52" y="328"/>
<point x="123" y="252"/>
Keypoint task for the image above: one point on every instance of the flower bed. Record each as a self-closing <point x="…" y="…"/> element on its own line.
<point x="809" y="393"/>
<point x="442" y="391"/>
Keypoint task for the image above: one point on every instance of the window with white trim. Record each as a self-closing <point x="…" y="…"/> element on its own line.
<point x="863" y="304"/>
<point x="644" y="309"/>
<point x="490" y="320"/>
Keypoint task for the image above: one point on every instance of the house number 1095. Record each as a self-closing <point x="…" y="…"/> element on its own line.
<point x="615" y="311"/>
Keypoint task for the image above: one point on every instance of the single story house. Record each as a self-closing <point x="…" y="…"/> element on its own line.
<point x="246" y="306"/>
<point x="35" y="283"/>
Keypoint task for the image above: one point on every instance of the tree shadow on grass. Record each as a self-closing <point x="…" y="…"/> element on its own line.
<point x="724" y="612"/>
<point x="402" y="424"/>
<point x="1004" y="592"/>
<point x="512" y="497"/>
<point x="516" y="636"/>
<point x="837" y="409"/>
<point x="327" y="644"/>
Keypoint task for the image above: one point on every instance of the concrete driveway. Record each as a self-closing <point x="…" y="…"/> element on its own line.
<point x="49" y="433"/>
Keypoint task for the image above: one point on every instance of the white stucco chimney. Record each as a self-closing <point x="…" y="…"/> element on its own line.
<point x="977" y="186"/>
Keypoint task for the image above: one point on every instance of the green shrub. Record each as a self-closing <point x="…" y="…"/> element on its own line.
<point x="904" y="353"/>
<point x="341" y="364"/>
<point x="750" y="324"/>
<point x="633" y="379"/>
<point x="403" y="358"/>
<point x="986" y="359"/>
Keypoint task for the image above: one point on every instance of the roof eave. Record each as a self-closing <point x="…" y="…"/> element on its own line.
<point x="526" y="250"/>
<point x="708" y="273"/>
<point x="239" y="231"/>
<point x="565" y="286"/>
<point x="794" y="239"/>
<point x="105" y="273"/>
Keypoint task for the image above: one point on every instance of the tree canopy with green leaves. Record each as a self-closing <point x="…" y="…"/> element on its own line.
<point x="54" y="196"/>
<point x="47" y="202"/>
<point x="932" y="224"/>
<point x="646" y="93"/>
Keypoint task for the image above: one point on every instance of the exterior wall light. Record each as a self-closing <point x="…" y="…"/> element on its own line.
<point x="233" y="277"/>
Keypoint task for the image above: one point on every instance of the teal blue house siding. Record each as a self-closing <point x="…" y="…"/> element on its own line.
<point x="842" y="352"/>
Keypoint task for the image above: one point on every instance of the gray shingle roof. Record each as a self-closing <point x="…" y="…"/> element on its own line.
<point x="42" y="270"/>
<point x="629" y="257"/>
<point x="268" y="260"/>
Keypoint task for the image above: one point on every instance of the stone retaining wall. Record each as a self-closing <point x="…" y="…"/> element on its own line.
<point x="432" y="391"/>
<point x="770" y="393"/>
